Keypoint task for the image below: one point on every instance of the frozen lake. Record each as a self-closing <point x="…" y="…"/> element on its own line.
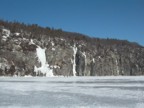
<point x="72" y="92"/>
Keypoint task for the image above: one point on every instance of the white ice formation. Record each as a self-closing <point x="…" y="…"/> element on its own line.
<point x="74" y="59"/>
<point x="45" y="68"/>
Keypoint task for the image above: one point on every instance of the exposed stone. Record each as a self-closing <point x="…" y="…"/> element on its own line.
<point x="92" y="57"/>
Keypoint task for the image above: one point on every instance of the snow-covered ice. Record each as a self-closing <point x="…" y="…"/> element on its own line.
<point x="72" y="92"/>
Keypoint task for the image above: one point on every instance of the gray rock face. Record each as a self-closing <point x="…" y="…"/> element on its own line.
<point x="66" y="54"/>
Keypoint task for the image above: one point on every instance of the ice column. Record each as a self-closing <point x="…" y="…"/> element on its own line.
<point x="74" y="63"/>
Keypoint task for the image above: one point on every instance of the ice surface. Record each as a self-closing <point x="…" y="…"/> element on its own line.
<point x="72" y="92"/>
<point x="52" y="43"/>
<point x="93" y="60"/>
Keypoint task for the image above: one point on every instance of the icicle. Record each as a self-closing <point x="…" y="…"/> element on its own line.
<point x="31" y="42"/>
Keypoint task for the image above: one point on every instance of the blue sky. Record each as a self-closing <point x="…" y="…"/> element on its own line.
<point x="120" y="19"/>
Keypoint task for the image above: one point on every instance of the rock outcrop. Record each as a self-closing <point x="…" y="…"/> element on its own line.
<point x="37" y="51"/>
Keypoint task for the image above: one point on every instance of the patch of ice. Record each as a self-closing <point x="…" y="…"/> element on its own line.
<point x="27" y="76"/>
<point x="17" y="34"/>
<point x="53" y="49"/>
<point x="52" y="43"/>
<point x="31" y="42"/>
<point x="99" y="57"/>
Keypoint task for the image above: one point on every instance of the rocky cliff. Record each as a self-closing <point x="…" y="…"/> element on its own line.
<point x="33" y="50"/>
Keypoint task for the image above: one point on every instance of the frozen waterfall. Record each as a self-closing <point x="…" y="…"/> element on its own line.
<point x="44" y="65"/>
<point x="74" y="63"/>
